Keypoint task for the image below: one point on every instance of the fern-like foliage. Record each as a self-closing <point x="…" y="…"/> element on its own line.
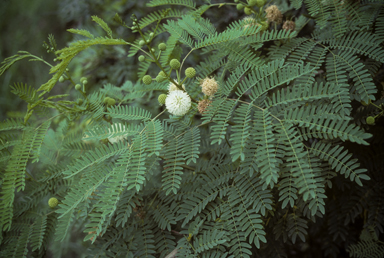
<point x="280" y="143"/>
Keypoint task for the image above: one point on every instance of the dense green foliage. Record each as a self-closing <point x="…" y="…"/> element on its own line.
<point x="279" y="153"/>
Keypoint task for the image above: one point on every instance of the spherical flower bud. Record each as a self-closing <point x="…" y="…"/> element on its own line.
<point x="203" y="104"/>
<point x="239" y="7"/>
<point x="141" y="43"/>
<point x="190" y="72"/>
<point x="133" y="27"/>
<point x="111" y="102"/>
<point x="160" y="78"/>
<point x="248" y="10"/>
<point x="82" y="79"/>
<point x="147" y="79"/>
<point x="141" y="58"/>
<point x="252" y="2"/>
<point x="289" y="25"/>
<point x="151" y="34"/>
<point x="178" y="102"/>
<point x="85" y="82"/>
<point x="209" y="86"/>
<point x="274" y="14"/>
<point x="174" y="64"/>
<point x="370" y="120"/>
<point x="162" y="46"/>
<point x="79" y="101"/>
<point x="53" y="202"/>
<point x="78" y="87"/>
<point x="61" y="79"/>
<point x="260" y="3"/>
<point x="152" y="49"/>
<point x="162" y="98"/>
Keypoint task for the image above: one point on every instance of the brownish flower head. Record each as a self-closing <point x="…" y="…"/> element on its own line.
<point x="274" y="14"/>
<point x="203" y="104"/>
<point x="209" y="86"/>
<point x="289" y="25"/>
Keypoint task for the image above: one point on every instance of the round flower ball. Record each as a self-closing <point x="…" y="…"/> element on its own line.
<point x="78" y="87"/>
<point x="141" y="58"/>
<point x="61" y="79"/>
<point x="178" y="102"/>
<point x="147" y="79"/>
<point x="248" y="10"/>
<point x="190" y="72"/>
<point x="209" y="86"/>
<point x="141" y="43"/>
<point x="252" y="2"/>
<point x="370" y="120"/>
<point x="239" y="7"/>
<point x="260" y="3"/>
<point x="162" y="98"/>
<point x="53" y="202"/>
<point x="174" y="64"/>
<point x="162" y="46"/>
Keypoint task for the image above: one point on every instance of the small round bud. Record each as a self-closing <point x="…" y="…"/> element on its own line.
<point x="370" y="120"/>
<point x="141" y="58"/>
<point x="55" y="59"/>
<point x="53" y="202"/>
<point x="52" y="49"/>
<point x="133" y="27"/>
<point x="78" y="87"/>
<point x="162" y="46"/>
<point x="252" y="2"/>
<point x="82" y="79"/>
<point x="260" y="3"/>
<point x="239" y="7"/>
<point x="174" y="64"/>
<point x="147" y="79"/>
<point x="106" y="100"/>
<point x="85" y="82"/>
<point x="236" y="1"/>
<point x="79" y="101"/>
<point x="151" y="34"/>
<point x="152" y="49"/>
<point x="141" y="42"/>
<point x="48" y="51"/>
<point x="66" y="69"/>
<point x="160" y="78"/>
<point x="134" y="23"/>
<point x="162" y="98"/>
<point x="248" y="10"/>
<point x="111" y="102"/>
<point x="61" y="79"/>
<point x="190" y="72"/>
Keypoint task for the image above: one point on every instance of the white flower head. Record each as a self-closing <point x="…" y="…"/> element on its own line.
<point x="173" y="87"/>
<point x="117" y="128"/>
<point x="178" y="102"/>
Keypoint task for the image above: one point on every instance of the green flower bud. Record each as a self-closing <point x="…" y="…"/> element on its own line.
<point x="160" y="78"/>
<point x="162" y="98"/>
<point x="78" y="87"/>
<point x="111" y="102"/>
<point x="85" y="82"/>
<point x="248" y="10"/>
<point x="61" y="79"/>
<point x="151" y="34"/>
<point x="260" y="3"/>
<point x="141" y="43"/>
<point x="153" y="50"/>
<point x="147" y="79"/>
<point x="252" y="2"/>
<point x="236" y="1"/>
<point x="133" y="27"/>
<point x="79" y="101"/>
<point x="55" y="59"/>
<point x="82" y="79"/>
<point x="174" y="64"/>
<point x="370" y="120"/>
<point x="190" y="72"/>
<point x="162" y="46"/>
<point x="53" y="202"/>
<point x="141" y="58"/>
<point x="239" y="7"/>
